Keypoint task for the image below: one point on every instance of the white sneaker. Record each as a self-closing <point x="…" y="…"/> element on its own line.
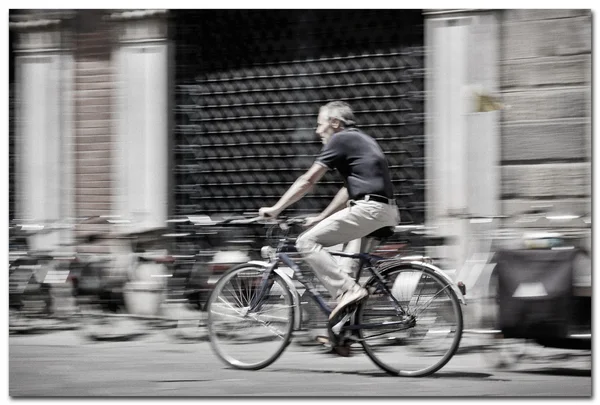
<point x="348" y="298"/>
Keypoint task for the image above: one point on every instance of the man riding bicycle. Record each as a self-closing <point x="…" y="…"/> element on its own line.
<point x="365" y="203"/>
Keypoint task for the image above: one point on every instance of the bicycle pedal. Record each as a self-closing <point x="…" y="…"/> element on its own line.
<point x="336" y="344"/>
<point x="343" y="350"/>
<point x="332" y="337"/>
<point x="337" y="327"/>
<point x="342" y="318"/>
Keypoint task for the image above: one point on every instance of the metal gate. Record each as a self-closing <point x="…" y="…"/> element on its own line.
<point x="248" y="85"/>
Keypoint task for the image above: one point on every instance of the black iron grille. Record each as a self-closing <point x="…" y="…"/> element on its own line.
<point x="248" y="86"/>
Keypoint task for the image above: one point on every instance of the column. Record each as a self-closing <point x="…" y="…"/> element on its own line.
<point x="462" y="138"/>
<point x="44" y="137"/>
<point x="142" y="114"/>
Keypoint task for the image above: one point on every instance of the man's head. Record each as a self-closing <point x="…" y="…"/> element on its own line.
<point x="333" y="117"/>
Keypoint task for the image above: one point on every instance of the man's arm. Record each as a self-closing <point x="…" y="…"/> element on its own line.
<point x="338" y="202"/>
<point x="296" y="191"/>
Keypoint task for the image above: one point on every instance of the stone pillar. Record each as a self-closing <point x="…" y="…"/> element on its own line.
<point x="141" y="63"/>
<point x="44" y="133"/>
<point x="461" y="129"/>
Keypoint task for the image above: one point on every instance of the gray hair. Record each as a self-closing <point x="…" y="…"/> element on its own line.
<point x="341" y="111"/>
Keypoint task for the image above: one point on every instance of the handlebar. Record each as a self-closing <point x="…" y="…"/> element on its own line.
<point x="241" y="220"/>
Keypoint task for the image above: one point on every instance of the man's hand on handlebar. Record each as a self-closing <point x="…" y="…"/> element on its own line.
<point x="310" y="221"/>
<point x="269" y="212"/>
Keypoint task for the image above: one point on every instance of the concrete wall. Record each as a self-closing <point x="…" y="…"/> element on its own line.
<point x="545" y="61"/>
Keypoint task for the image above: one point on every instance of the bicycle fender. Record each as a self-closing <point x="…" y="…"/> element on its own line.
<point x="295" y="296"/>
<point x="443" y="275"/>
<point x="259" y="263"/>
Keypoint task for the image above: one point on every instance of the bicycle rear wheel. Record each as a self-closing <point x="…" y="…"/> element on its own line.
<point x="422" y="342"/>
<point x="245" y="339"/>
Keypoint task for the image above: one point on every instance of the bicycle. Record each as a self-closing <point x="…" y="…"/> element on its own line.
<point x="411" y="303"/>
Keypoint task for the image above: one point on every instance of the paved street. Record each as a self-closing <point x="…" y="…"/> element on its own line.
<point x="64" y="363"/>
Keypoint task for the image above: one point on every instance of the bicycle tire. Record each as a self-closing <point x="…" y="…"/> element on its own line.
<point x="406" y="350"/>
<point x="236" y="346"/>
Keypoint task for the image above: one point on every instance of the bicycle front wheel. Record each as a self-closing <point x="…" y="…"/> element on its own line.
<point x="422" y="341"/>
<point x="243" y="337"/>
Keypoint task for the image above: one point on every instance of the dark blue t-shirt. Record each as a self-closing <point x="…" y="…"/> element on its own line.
<point x="360" y="161"/>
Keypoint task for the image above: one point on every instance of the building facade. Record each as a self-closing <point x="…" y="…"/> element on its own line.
<point x="150" y="114"/>
<point x="532" y="150"/>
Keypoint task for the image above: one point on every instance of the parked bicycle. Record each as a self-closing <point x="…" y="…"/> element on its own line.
<point x="252" y="310"/>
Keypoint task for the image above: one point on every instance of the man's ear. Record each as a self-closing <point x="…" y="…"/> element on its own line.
<point x="335" y="123"/>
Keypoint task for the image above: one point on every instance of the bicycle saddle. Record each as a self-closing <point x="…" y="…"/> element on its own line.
<point x="382" y="233"/>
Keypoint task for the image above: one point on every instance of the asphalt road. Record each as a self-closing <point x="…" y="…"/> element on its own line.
<point x="65" y="363"/>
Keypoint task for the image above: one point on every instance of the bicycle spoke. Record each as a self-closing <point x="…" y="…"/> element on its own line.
<point x="240" y="317"/>
<point x="274" y="309"/>
<point x="431" y="300"/>
<point x="244" y="292"/>
<point x="249" y="293"/>
<point x="428" y="340"/>
<point x="419" y="295"/>
<point x="271" y="329"/>
<point x="249" y="339"/>
<point x="228" y="315"/>
<point x="241" y="294"/>
<point x="231" y="306"/>
<point x="233" y="294"/>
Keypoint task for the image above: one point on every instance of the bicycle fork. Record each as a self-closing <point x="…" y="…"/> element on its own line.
<point x="264" y="287"/>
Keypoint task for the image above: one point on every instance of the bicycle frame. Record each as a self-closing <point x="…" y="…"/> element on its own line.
<point x="363" y="258"/>
<point x="366" y="260"/>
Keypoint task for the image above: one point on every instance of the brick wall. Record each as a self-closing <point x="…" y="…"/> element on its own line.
<point x="93" y="118"/>
<point x="546" y="130"/>
<point x="93" y="121"/>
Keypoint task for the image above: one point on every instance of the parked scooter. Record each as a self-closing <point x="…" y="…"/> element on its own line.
<point x="126" y="283"/>
<point x="207" y="248"/>
<point x="32" y="274"/>
<point x="540" y="289"/>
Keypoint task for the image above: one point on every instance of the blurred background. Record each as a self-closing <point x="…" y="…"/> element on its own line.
<point x="140" y="131"/>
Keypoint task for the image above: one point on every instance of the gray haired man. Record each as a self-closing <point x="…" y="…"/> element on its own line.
<point x="365" y="203"/>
